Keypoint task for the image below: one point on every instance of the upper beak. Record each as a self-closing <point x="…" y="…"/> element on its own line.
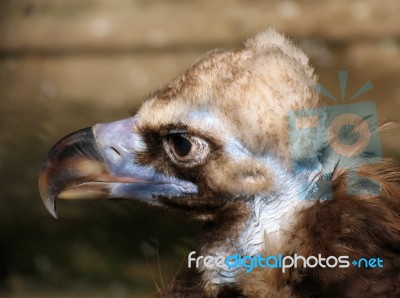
<point x="100" y="162"/>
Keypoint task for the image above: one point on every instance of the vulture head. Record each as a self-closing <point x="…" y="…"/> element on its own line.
<point x="215" y="145"/>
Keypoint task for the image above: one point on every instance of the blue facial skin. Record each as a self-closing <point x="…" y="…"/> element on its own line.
<point x="117" y="142"/>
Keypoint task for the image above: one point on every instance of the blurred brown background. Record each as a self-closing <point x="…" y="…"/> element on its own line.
<point x="67" y="64"/>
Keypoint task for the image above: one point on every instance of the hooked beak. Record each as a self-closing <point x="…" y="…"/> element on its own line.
<point x="100" y="162"/>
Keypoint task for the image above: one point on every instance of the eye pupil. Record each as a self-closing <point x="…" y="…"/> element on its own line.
<point x="180" y="145"/>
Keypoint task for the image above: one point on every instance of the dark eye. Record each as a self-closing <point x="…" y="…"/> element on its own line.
<point x="185" y="149"/>
<point x="180" y="145"/>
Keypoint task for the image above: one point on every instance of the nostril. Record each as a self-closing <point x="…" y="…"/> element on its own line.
<point x="115" y="150"/>
<point x="113" y="154"/>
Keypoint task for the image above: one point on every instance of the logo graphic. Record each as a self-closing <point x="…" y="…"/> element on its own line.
<point x="341" y="136"/>
<point x="249" y="263"/>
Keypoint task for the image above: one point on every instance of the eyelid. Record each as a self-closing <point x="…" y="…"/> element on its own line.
<point x="177" y="131"/>
<point x="197" y="143"/>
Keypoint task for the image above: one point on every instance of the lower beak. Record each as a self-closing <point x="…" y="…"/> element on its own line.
<point x="100" y="162"/>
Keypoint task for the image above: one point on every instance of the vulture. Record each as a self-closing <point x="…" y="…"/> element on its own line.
<point x="244" y="143"/>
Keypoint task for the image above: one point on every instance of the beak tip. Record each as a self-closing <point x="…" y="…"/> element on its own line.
<point x="50" y="205"/>
<point x="52" y="210"/>
<point x="48" y="200"/>
<point x="54" y="214"/>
